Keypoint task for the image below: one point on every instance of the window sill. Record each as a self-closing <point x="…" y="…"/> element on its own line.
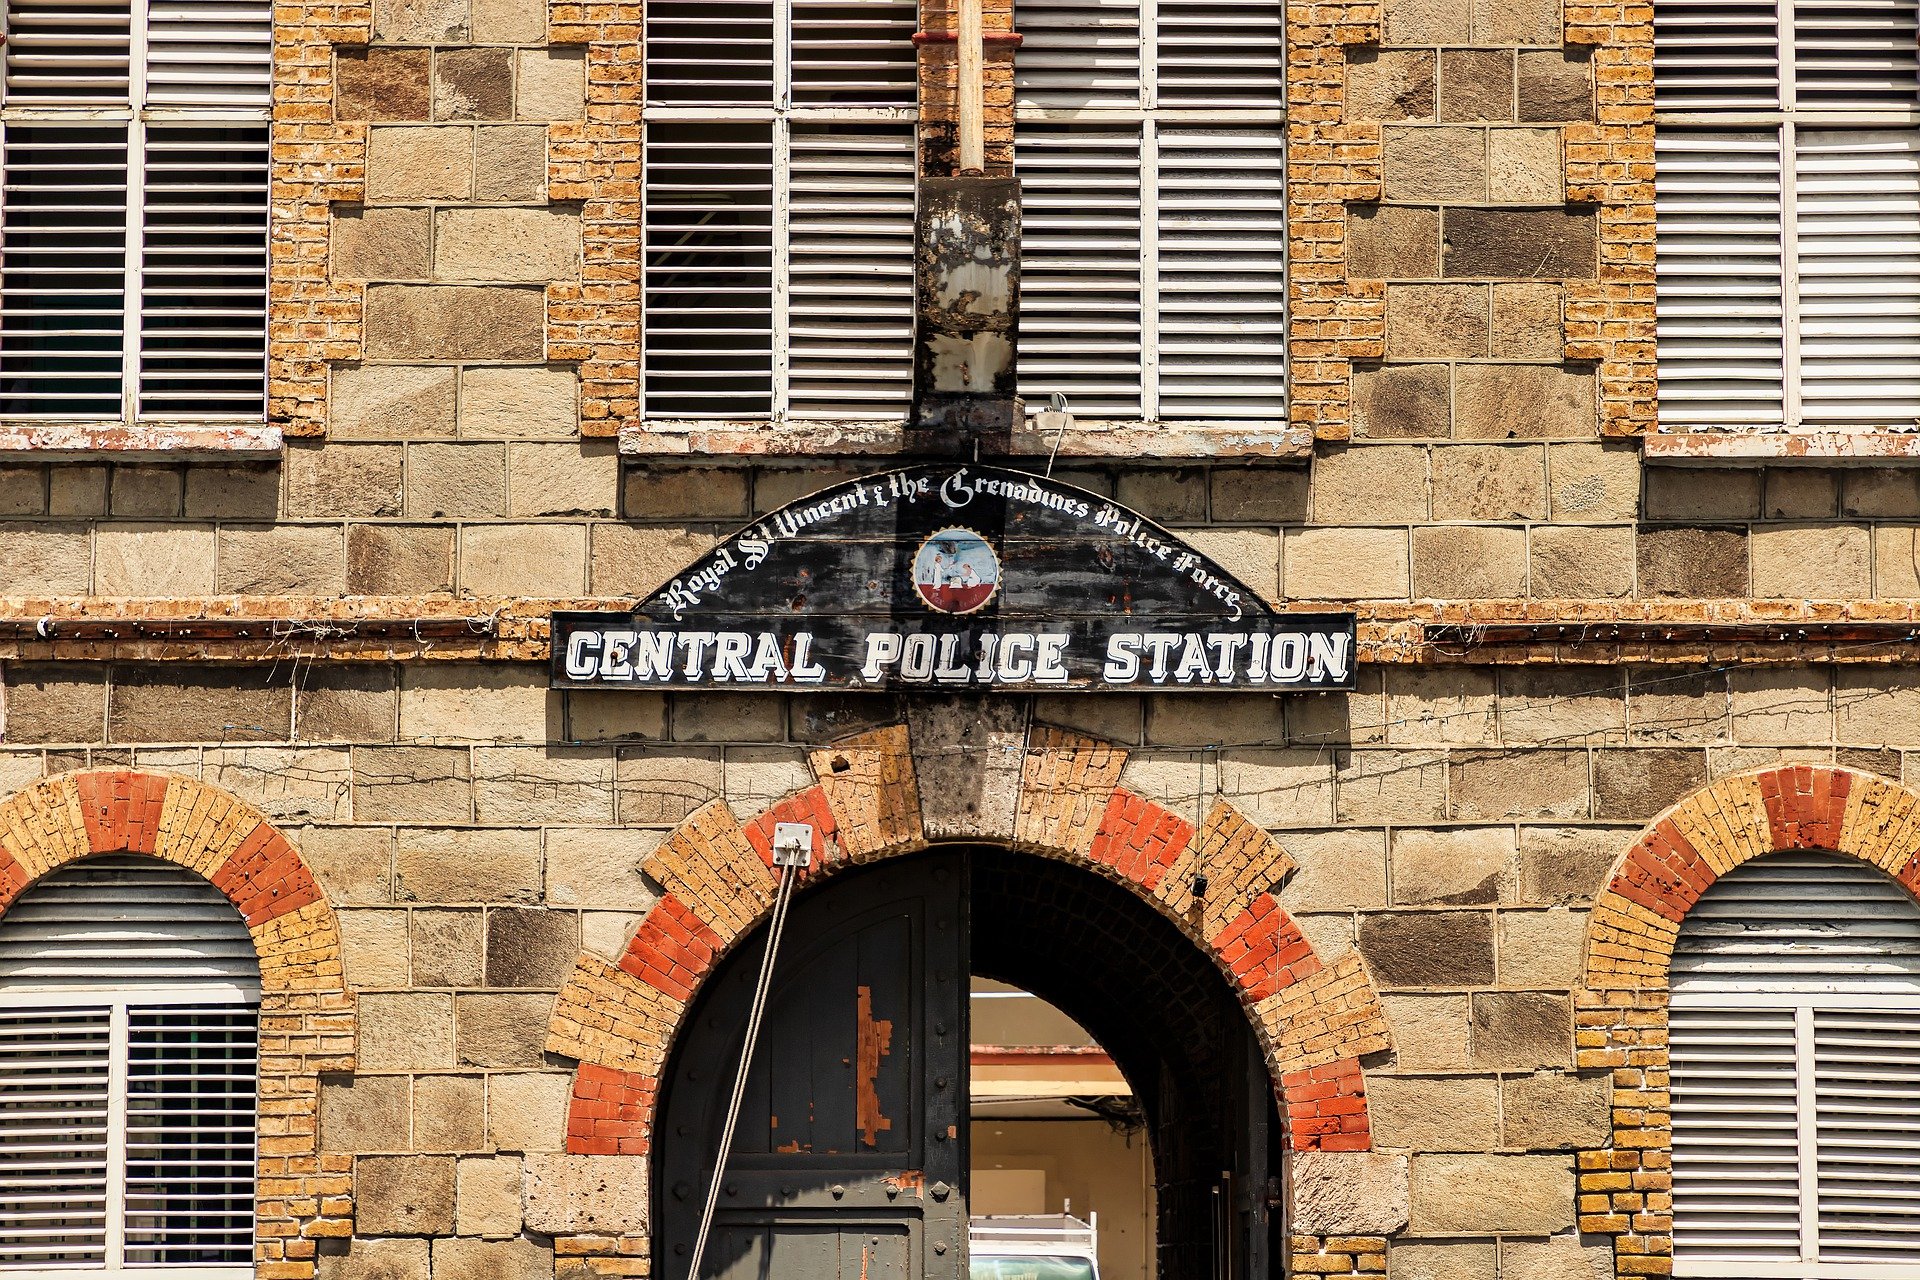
<point x="138" y="442"/>
<point x="1039" y="436"/>
<point x="1810" y="448"/>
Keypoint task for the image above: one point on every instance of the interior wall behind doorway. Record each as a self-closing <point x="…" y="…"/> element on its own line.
<point x="1084" y="1162"/>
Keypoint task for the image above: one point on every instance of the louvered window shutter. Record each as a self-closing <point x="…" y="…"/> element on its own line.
<point x="779" y="199"/>
<point x="1788" y="197"/>
<point x="850" y="271"/>
<point x="1153" y="263"/>
<point x="129" y="994"/>
<point x="1795" y="1041"/>
<point x="1081" y="304"/>
<point x="133" y="224"/>
<point x="1222" y="301"/>
<point x="1077" y="53"/>
<point x="1721" y="270"/>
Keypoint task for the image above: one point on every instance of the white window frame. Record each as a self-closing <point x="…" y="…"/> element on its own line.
<point x="135" y="116"/>
<point x="782" y="117"/>
<point x="118" y="1005"/>
<point x="1786" y="123"/>
<point x="1150" y="117"/>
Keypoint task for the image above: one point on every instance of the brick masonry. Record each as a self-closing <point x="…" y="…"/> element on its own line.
<point x="1316" y="1021"/>
<point x="1626" y="1187"/>
<point x="306" y="1013"/>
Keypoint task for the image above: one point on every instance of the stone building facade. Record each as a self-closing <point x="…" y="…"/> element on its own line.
<point x="1603" y="661"/>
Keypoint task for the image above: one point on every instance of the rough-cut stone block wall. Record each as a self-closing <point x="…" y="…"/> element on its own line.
<point x="475" y="833"/>
<point x="307" y="1017"/>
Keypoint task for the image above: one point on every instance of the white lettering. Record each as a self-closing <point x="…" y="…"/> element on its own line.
<point x="730" y="656"/>
<point x="1049" y="659"/>
<point x="883" y="650"/>
<point x="1330" y="653"/>
<point x="1123" y="658"/>
<point x="616" y="663"/>
<point x="1159" y="644"/>
<point x="1015" y="663"/>
<point x="652" y="653"/>
<point x="694" y="646"/>
<point x="805" y="669"/>
<point x="1193" y="664"/>
<point x="1289" y="659"/>
<point x="583" y="652"/>
<point x="950" y="669"/>
<point x="767" y="662"/>
<point x="916" y="656"/>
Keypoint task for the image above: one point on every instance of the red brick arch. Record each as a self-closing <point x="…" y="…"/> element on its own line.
<point x="1315" y="1019"/>
<point x="306" y="1013"/>
<point x="1626" y="1189"/>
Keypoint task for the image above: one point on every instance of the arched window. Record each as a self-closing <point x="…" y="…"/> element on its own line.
<point x="1149" y="142"/>
<point x="129" y="1011"/>
<point x="1795" y="1040"/>
<point x="1788" y="195"/>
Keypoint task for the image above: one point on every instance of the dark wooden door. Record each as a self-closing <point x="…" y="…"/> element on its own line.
<point x="850" y="1159"/>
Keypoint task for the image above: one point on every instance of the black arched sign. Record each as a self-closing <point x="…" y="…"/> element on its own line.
<point x="954" y="577"/>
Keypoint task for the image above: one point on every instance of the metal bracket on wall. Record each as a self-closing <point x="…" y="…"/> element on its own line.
<point x="792" y="844"/>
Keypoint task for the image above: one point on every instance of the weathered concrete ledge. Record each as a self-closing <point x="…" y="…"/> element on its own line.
<point x="160" y="442"/>
<point x="1039" y="436"/>
<point x="1800" y="447"/>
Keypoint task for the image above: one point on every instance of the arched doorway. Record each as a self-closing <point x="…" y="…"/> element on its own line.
<point x="851" y="1156"/>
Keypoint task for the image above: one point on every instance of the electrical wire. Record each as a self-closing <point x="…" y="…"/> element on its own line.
<point x="782" y="899"/>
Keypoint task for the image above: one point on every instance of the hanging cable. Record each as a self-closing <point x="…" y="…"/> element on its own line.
<point x="783" y="896"/>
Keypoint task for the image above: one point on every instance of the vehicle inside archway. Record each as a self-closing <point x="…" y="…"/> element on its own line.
<point x="855" y="1153"/>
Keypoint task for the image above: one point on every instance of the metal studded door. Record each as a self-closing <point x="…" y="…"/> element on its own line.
<point x="850" y="1159"/>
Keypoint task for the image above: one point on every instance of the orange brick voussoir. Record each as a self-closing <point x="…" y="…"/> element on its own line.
<point x="177" y="819"/>
<point x="619" y="1022"/>
<point x="1717" y="828"/>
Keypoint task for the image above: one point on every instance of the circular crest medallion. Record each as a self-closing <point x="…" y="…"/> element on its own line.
<point x="955" y="571"/>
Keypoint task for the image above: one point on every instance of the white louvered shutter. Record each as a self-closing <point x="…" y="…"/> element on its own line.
<point x="1222" y="301"/>
<point x="133" y="224"/>
<point x="1151" y="157"/>
<point x="63" y="271"/>
<point x="209" y="53"/>
<point x="1220" y="53"/>
<point x="1716" y="54"/>
<point x="778" y="209"/>
<point x="850" y="271"/>
<point x="1081" y="309"/>
<point x="1721" y="316"/>
<point x="1857" y="213"/>
<point x="1788" y="195"/>
<point x="129" y="993"/>
<point x="850" y="53"/>
<point x="1077" y="53"/>
<point x="1867" y="1108"/>
<point x="1795" y="1041"/>
<point x="709" y="270"/>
